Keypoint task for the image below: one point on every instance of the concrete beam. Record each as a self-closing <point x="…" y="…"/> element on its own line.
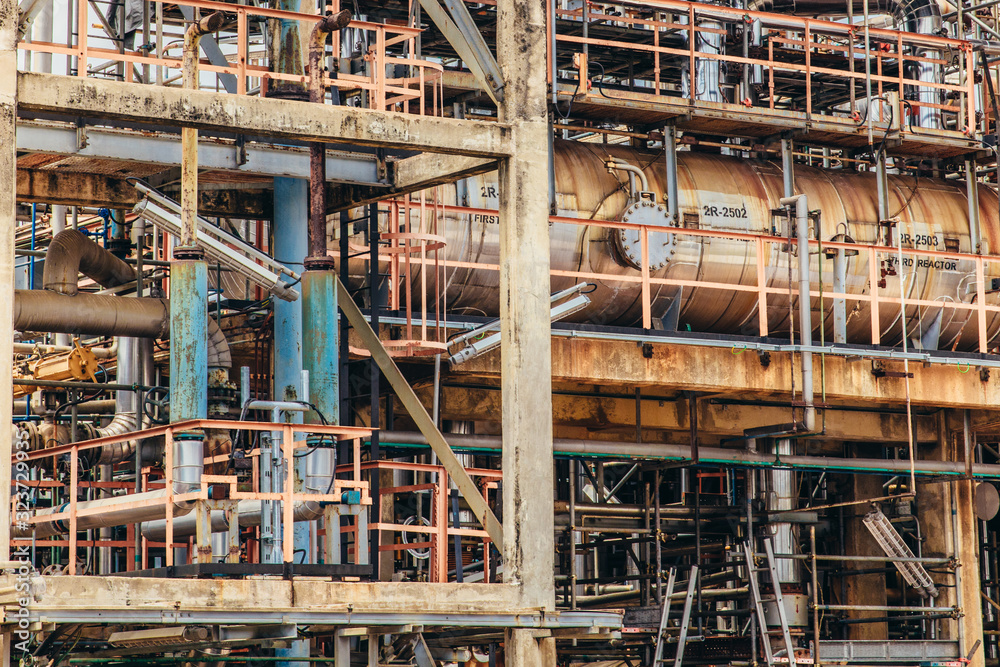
<point x="608" y="414"/>
<point x="172" y="599"/>
<point x="719" y="371"/>
<point x="206" y="110"/>
<point x="163" y="148"/>
<point x="424" y="171"/>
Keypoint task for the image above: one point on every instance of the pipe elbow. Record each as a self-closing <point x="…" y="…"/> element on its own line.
<point x="72" y="253"/>
<point x="206" y="25"/>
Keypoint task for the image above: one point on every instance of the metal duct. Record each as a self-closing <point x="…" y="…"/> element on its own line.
<point x="126" y="417"/>
<point x="782" y="498"/>
<point x="72" y="253"/>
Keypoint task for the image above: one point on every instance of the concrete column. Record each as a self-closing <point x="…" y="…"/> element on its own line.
<point x="291" y="216"/>
<point x="525" y="348"/>
<point x="525" y="647"/>
<point x="8" y="205"/>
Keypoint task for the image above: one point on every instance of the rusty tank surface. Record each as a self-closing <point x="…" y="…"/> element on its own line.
<point x="723" y="193"/>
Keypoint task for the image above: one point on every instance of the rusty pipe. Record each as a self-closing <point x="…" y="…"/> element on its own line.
<point x="189" y="139"/>
<point x="72" y="253"/>
<point x="317" y="258"/>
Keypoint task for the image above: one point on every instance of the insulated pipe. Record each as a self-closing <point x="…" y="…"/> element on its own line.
<point x="104" y="315"/>
<point x="71" y="253"/>
<point x="117" y="512"/>
<point x="318" y="258"/>
<point x="805" y="305"/>
<point x="629" y="450"/>
<point x="90" y="314"/>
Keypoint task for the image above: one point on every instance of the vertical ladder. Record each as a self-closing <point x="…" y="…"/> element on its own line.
<point x="660" y="640"/>
<point x="758" y="601"/>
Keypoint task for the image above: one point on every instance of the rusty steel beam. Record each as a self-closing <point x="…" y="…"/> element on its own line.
<point x="733" y="372"/>
<point x="206" y="110"/>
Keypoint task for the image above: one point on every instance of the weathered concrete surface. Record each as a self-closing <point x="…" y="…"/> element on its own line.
<point x="205" y="110"/>
<point x="8" y="205"/>
<point x="419" y="172"/>
<point x="524" y="309"/>
<point x="718" y="370"/>
<point x="527" y="647"/>
<point x="117" y="593"/>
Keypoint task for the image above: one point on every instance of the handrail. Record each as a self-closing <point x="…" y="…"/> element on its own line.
<point x="796" y="50"/>
<point x="976" y="265"/>
<point x="385" y="92"/>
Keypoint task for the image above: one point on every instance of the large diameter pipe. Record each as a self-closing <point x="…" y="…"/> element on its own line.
<point x="72" y="253"/>
<point x="117" y="511"/>
<point x="90" y="314"/>
<point x="735" y="457"/>
<point x="805" y="305"/>
<point x="188" y="342"/>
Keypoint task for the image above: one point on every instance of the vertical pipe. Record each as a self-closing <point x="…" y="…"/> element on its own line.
<point x="972" y="192"/>
<point x="805" y="306"/>
<point x="783" y="498"/>
<point x="188" y="341"/>
<point x="290" y="246"/>
<point x="840" y="304"/>
<point x="375" y="404"/>
<point x="670" y="150"/>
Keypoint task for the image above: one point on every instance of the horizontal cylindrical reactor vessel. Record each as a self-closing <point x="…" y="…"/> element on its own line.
<point x="741" y="197"/>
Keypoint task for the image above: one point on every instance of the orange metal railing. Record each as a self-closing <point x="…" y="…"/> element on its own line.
<point x="417" y="92"/>
<point x="877" y="295"/>
<point x="292" y="438"/>
<point x="438" y="528"/>
<point x="794" y="47"/>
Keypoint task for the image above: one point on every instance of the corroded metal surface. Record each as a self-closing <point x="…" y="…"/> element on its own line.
<point x="727" y="194"/>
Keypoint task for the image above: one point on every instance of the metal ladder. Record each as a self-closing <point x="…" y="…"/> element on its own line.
<point x="758" y="601"/>
<point x="685" y="617"/>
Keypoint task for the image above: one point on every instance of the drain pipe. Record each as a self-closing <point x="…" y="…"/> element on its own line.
<point x="805" y="306"/>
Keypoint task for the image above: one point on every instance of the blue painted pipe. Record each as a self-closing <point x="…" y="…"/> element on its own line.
<point x="320" y="344"/>
<point x="188" y="340"/>
<point x="291" y="217"/>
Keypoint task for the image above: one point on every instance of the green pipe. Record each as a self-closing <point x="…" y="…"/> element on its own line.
<point x="846" y="467"/>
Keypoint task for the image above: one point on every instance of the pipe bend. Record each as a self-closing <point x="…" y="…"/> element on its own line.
<point x="72" y="253"/>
